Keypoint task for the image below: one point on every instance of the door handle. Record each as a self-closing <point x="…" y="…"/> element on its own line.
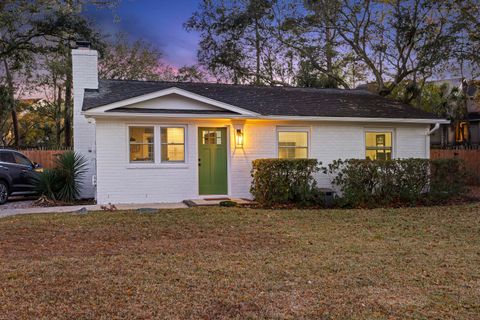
<point x="5" y="168"/>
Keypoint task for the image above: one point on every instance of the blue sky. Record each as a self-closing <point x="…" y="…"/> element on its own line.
<point x="159" y="22"/>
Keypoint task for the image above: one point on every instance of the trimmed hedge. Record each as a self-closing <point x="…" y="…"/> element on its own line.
<point x="284" y="181"/>
<point x="448" y="177"/>
<point x="362" y="183"/>
<point x="367" y="183"/>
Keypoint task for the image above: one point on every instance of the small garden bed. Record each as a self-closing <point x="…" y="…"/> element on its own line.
<point x="43" y="201"/>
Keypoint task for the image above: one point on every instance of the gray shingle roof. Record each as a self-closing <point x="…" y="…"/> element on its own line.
<point x="267" y="101"/>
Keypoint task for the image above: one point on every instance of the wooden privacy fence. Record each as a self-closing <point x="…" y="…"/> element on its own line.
<point x="44" y="157"/>
<point x="471" y="158"/>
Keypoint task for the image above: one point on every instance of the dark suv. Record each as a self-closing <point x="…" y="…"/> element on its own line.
<point x="17" y="174"/>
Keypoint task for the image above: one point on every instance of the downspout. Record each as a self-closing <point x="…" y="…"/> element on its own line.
<point x="435" y="128"/>
<point x="427" y="139"/>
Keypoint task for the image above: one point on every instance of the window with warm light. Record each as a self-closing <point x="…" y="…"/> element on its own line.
<point x="292" y="144"/>
<point x="461" y="132"/>
<point x="378" y="145"/>
<point x="173" y="144"/>
<point x="141" y="141"/>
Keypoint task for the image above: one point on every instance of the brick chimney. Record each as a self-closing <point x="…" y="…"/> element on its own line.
<point x="85" y="76"/>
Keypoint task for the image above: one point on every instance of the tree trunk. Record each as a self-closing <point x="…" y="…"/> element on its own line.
<point x="329" y="50"/>
<point x="12" y="106"/>
<point x="58" y="116"/>
<point x="257" y="48"/>
<point x="68" y="102"/>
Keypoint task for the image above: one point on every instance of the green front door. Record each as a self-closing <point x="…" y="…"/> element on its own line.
<point x="212" y="160"/>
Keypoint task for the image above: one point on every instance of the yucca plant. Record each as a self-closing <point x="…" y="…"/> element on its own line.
<point x="47" y="184"/>
<point x="71" y="167"/>
<point x="64" y="181"/>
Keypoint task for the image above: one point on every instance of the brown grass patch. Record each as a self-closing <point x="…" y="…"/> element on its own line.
<point x="232" y="263"/>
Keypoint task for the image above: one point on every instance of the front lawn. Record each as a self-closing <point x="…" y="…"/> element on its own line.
<point x="217" y="263"/>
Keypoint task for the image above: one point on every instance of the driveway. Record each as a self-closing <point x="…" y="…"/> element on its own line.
<point x="18" y="203"/>
<point x="22" y="205"/>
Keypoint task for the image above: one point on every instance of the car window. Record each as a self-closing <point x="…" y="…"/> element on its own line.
<point x="7" y="157"/>
<point x="21" y="159"/>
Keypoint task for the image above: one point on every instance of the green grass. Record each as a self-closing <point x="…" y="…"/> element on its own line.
<point x="224" y="263"/>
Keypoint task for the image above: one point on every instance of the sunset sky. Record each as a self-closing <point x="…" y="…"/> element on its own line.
<point x="160" y="22"/>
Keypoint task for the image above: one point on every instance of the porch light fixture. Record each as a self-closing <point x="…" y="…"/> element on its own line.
<point x="239" y="133"/>
<point x="239" y="138"/>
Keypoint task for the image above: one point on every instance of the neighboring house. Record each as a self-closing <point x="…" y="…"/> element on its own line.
<point x="467" y="131"/>
<point x="165" y="142"/>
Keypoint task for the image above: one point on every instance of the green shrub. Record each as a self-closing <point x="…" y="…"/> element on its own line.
<point x="367" y="183"/>
<point x="228" y="203"/>
<point x="284" y="181"/>
<point x="63" y="182"/>
<point x="448" y="177"/>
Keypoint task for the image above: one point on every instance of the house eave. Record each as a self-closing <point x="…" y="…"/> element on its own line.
<point x="359" y="119"/>
<point x="98" y="114"/>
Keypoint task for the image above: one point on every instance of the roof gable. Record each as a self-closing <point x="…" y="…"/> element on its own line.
<point x="171" y="99"/>
<point x="174" y="101"/>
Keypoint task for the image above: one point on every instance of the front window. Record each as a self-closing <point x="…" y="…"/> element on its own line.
<point x="141" y="141"/>
<point x="378" y="145"/>
<point x="173" y="144"/>
<point x="292" y="144"/>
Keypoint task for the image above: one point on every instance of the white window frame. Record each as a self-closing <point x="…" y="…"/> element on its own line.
<point x="157" y="163"/>
<point x="130" y="144"/>
<point x="293" y="129"/>
<point x="166" y="144"/>
<point x="379" y="130"/>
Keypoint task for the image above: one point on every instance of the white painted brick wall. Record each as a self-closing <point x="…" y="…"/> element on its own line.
<point x="85" y="76"/>
<point x="120" y="182"/>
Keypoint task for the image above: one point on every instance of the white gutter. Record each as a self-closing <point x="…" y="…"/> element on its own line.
<point x="355" y="119"/>
<point x="98" y="114"/>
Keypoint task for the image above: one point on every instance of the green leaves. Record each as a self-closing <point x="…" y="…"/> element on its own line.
<point x="366" y="183"/>
<point x="64" y="181"/>
<point x="284" y="181"/>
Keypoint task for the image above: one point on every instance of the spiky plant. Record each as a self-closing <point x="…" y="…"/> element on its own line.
<point x="47" y="184"/>
<point x="71" y="167"/>
<point x="64" y="181"/>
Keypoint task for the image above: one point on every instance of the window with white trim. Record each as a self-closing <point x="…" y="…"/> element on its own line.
<point x="142" y="144"/>
<point x="173" y="144"/>
<point x="378" y="145"/>
<point x="292" y="144"/>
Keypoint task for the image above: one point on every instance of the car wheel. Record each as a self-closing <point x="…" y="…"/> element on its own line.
<point x="3" y="192"/>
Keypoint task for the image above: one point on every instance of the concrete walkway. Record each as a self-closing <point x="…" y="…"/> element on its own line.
<point x="86" y="208"/>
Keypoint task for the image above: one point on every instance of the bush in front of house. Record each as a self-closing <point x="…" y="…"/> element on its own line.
<point x="448" y="177"/>
<point x="62" y="183"/>
<point x="367" y="183"/>
<point x="284" y="181"/>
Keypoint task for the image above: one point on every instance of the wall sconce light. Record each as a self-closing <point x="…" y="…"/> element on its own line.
<point x="239" y="138"/>
<point x="239" y="133"/>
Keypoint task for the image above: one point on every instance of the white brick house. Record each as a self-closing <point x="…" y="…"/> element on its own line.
<point x="166" y="142"/>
